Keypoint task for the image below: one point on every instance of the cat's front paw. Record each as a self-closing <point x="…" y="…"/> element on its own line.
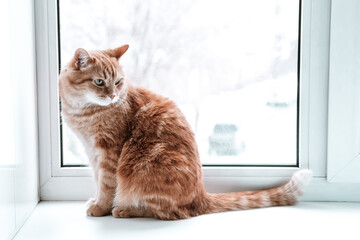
<point x="118" y="212"/>
<point x="94" y="209"/>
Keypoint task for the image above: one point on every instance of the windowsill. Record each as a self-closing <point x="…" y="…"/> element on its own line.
<point x="307" y="220"/>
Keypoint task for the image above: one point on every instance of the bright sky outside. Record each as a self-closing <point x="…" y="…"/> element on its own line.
<point x="231" y="66"/>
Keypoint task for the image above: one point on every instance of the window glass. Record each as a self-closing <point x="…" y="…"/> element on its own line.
<point x="230" y="65"/>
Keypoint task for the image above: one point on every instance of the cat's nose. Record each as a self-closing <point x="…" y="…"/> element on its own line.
<point x="112" y="96"/>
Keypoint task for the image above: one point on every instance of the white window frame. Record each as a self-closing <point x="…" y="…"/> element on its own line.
<point x="344" y="87"/>
<point x="74" y="183"/>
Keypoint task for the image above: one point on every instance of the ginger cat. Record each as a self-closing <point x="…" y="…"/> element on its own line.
<point x="141" y="149"/>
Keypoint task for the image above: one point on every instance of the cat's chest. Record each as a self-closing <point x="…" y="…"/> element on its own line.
<point x="99" y="130"/>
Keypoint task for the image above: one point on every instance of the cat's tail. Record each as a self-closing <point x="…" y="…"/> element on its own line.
<point x="286" y="194"/>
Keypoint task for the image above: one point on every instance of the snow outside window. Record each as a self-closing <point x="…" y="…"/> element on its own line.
<point x="231" y="66"/>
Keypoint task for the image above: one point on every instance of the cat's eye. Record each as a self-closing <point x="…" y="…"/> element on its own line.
<point x="99" y="82"/>
<point x="118" y="81"/>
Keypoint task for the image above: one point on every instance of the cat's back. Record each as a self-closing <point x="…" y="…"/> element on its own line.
<point x="156" y="116"/>
<point x="161" y="149"/>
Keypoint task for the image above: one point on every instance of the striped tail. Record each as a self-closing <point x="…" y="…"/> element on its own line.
<point x="286" y="194"/>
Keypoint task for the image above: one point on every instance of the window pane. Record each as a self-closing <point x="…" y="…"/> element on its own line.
<point x="230" y="65"/>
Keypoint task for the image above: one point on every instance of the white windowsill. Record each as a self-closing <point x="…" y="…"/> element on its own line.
<point x="307" y="220"/>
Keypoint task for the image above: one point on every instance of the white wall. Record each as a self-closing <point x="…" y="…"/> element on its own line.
<point x="18" y="121"/>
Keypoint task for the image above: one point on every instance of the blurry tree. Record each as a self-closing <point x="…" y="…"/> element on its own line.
<point x="188" y="50"/>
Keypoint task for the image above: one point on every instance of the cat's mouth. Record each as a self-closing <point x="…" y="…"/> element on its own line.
<point x="102" y="101"/>
<point x="108" y="101"/>
<point x="114" y="99"/>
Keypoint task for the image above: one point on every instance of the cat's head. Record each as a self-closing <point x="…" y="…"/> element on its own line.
<point x="93" y="78"/>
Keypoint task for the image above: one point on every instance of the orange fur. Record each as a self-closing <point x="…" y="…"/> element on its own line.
<point x="141" y="148"/>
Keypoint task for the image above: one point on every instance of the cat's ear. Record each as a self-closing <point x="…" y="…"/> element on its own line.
<point x="118" y="52"/>
<point x="81" y="59"/>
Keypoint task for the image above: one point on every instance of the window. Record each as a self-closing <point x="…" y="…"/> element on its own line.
<point x="313" y="67"/>
<point x="232" y="68"/>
